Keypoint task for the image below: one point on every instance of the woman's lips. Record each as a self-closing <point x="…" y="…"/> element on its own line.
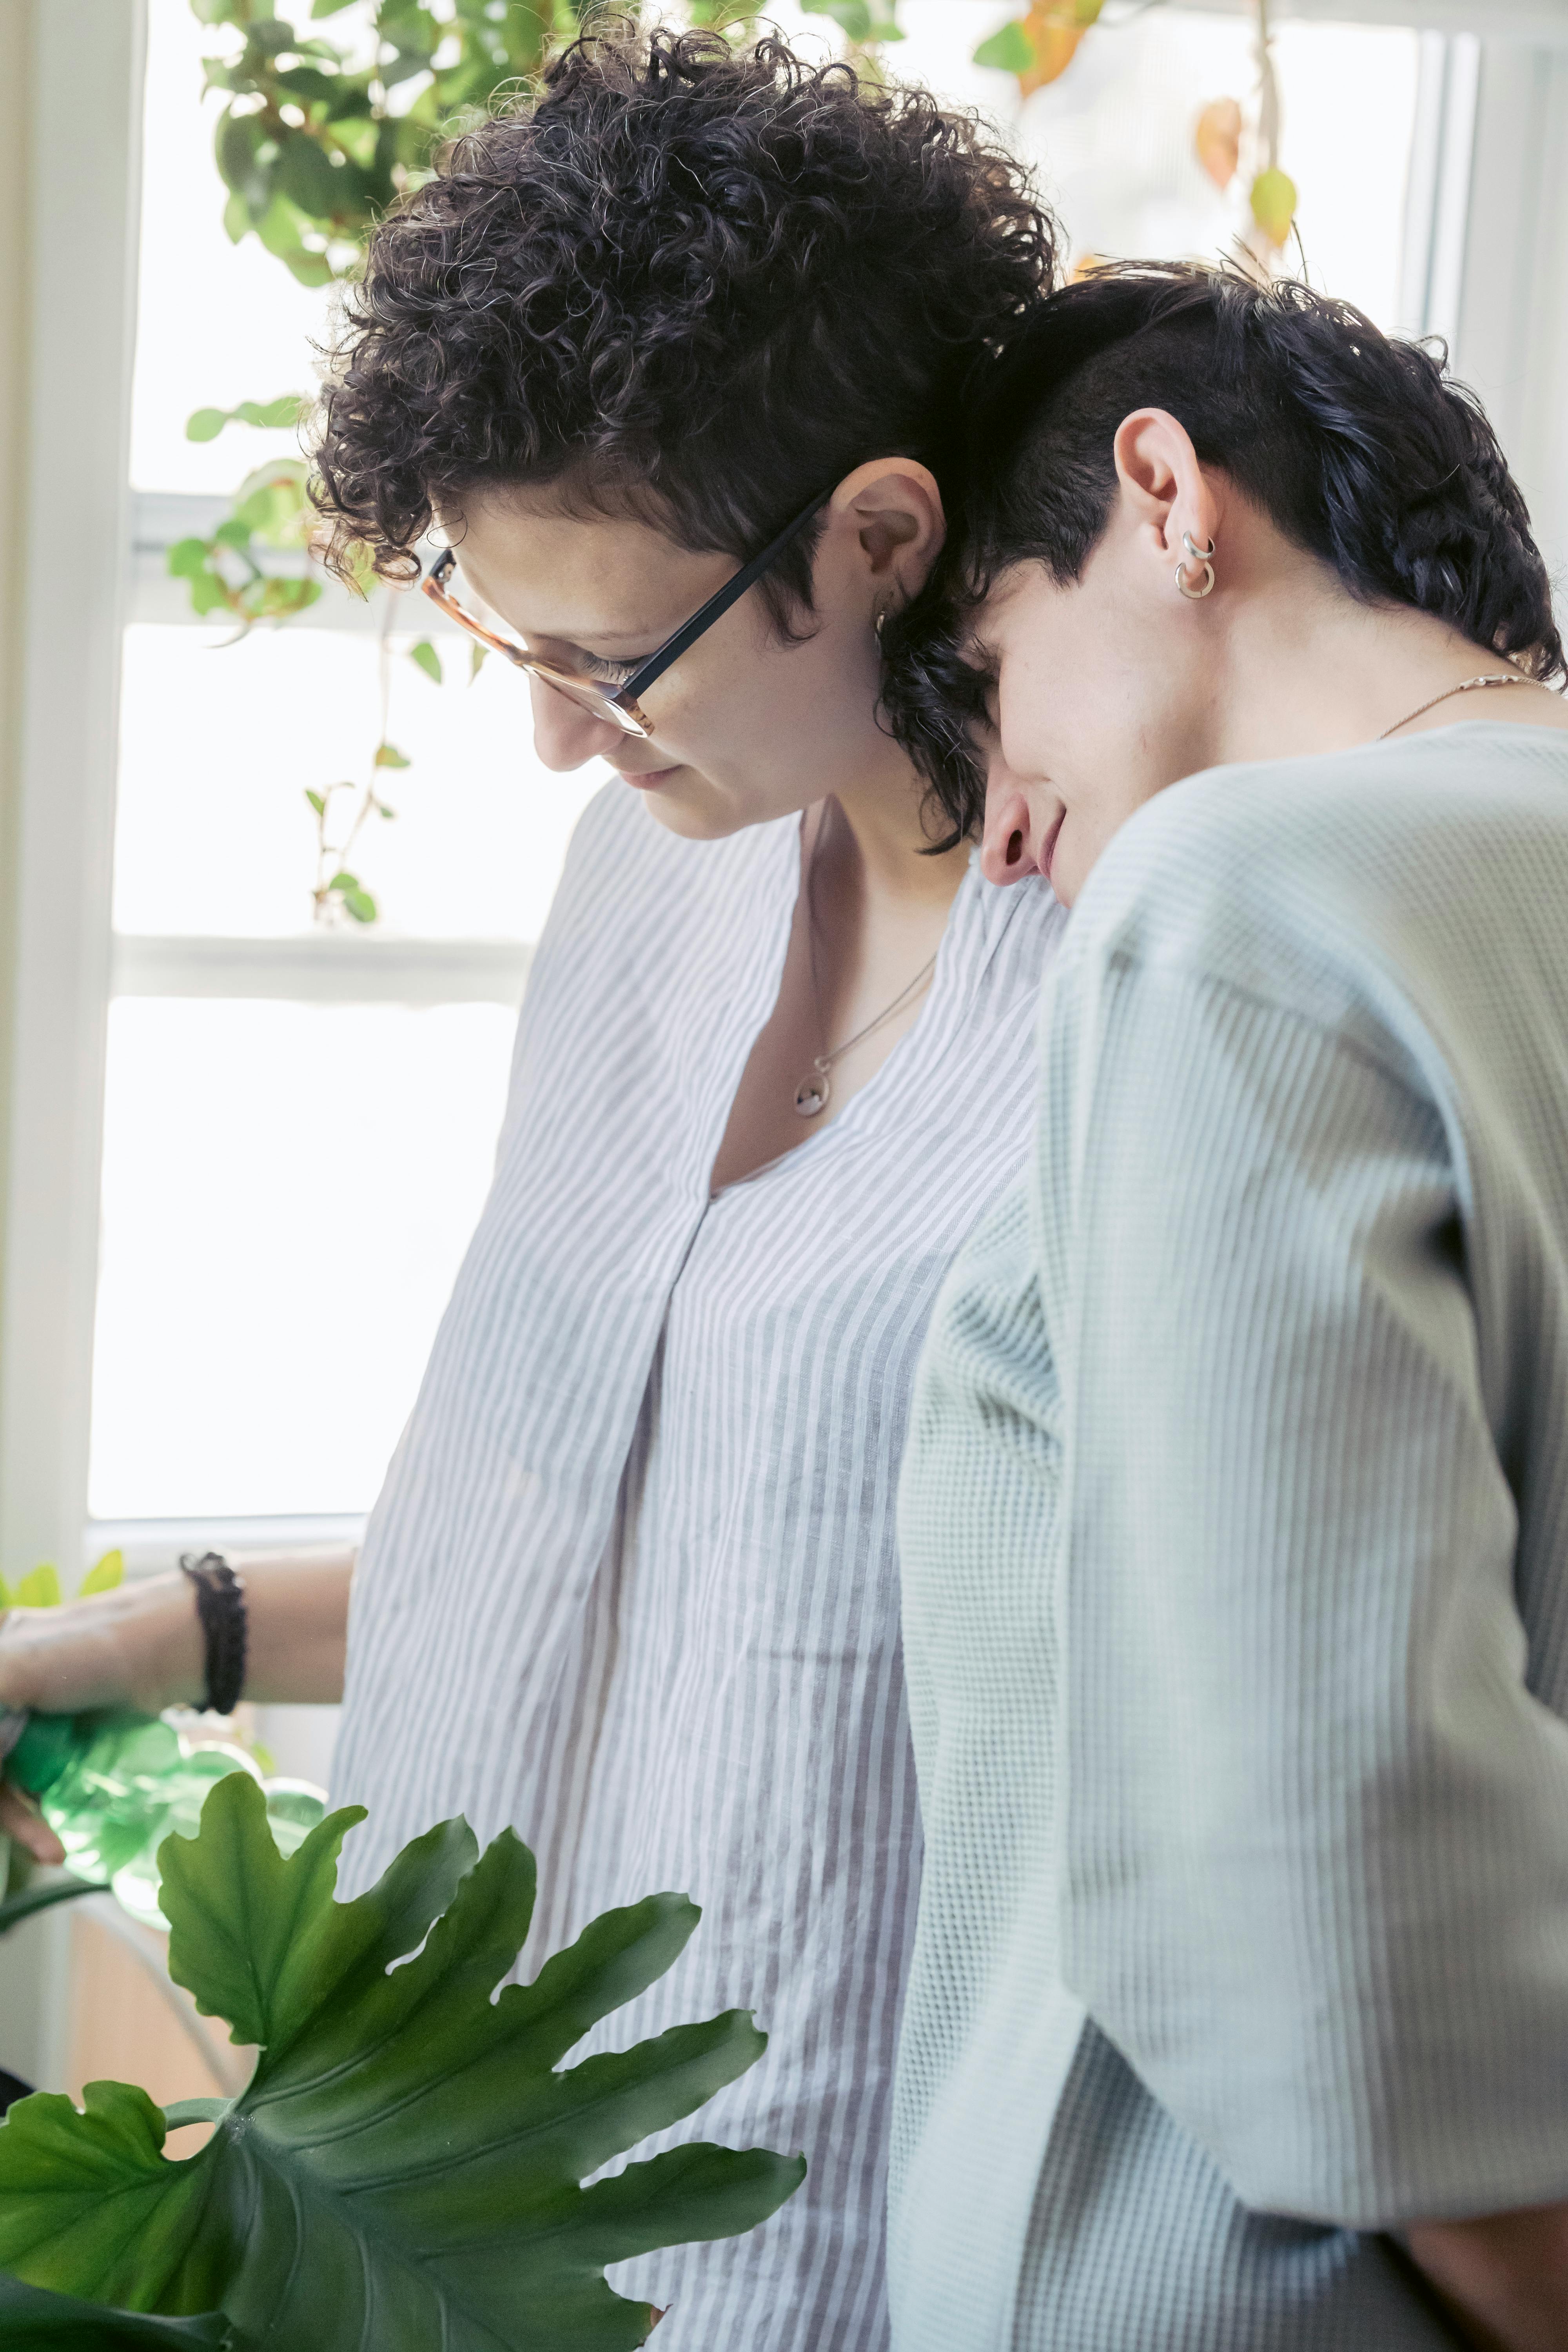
<point x="647" y="780"/>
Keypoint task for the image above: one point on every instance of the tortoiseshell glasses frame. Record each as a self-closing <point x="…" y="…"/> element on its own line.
<point x="618" y="704"/>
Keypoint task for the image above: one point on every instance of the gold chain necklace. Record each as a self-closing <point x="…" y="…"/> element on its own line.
<point x="1493" y="678"/>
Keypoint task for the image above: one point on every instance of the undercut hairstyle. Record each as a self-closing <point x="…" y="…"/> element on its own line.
<point x="1361" y="449"/>
<point x="693" y="280"/>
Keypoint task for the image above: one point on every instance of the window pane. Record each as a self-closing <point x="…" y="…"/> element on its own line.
<point x="221" y="741"/>
<point x="287" y="1192"/>
<point x="217" y="323"/>
<point x="1113" y="137"/>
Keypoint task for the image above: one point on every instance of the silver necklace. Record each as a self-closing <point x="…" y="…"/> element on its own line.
<point x="1493" y="678"/>
<point x="815" y="1092"/>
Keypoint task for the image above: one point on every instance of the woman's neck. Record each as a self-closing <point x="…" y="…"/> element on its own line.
<point x="1304" y="668"/>
<point x="879" y="827"/>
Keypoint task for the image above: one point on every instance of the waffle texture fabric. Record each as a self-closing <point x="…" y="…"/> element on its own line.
<point x="1234" y="1540"/>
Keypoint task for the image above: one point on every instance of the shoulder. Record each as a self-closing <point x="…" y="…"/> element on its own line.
<point x="1319" y="884"/>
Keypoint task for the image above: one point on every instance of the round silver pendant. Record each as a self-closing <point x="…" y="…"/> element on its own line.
<point x="811" y="1097"/>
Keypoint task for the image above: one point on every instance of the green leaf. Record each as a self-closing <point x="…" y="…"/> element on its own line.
<point x="425" y="656"/>
<point x="330" y="7"/>
<point x="382" y="810"/>
<point x="853" y="17"/>
<point x="188" y="558"/>
<point x="105" y="1574"/>
<point x="205" y="424"/>
<point x="34" y="2321"/>
<point x="8" y="1598"/>
<point x="477" y="655"/>
<point x="41" y="1589"/>
<point x="389" y="756"/>
<point x="404" y="2167"/>
<point x="1009" y="51"/>
<point x="307" y="177"/>
<point x="316" y="800"/>
<point x="309" y="269"/>
<point x="235" y="217"/>
<point x="360" y="905"/>
<point x="343" y="881"/>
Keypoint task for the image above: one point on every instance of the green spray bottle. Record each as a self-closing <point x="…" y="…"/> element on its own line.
<point x="112" y="1786"/>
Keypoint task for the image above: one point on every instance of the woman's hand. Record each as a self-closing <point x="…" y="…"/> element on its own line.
<point x="138" y="1646"/>
<point x="142" y="1646"/>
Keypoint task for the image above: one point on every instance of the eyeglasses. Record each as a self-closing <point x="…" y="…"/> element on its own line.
<point x="618" y="704"/>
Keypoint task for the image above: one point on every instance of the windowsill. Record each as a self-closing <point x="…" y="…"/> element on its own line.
<point x="153" y="1546"/>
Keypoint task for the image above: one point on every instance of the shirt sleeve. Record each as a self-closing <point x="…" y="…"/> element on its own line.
<point x="1316" y="1861"/>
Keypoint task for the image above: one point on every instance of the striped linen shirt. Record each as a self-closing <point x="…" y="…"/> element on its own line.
<point x="632" y="1585"/>
<point x="1234" y="1536"/>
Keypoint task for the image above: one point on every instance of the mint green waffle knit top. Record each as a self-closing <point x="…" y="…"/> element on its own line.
<point x="1234" y="1549"/>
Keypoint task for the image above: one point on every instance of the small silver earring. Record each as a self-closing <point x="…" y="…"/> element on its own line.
<point x="1195" y="554"/>
<point x="879" y="624"/>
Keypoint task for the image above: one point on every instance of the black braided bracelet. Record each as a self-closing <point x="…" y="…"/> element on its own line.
<point x="220" y="1605"/>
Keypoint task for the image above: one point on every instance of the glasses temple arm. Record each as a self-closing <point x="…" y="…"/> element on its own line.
<point x="717" y="605"/>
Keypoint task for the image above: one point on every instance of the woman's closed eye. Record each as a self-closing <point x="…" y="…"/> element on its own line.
<point x="599" y="667"/>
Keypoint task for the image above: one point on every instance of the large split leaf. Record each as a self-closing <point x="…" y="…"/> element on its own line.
<point x="404" y="2171"/>
<point x="34" y="2321"/>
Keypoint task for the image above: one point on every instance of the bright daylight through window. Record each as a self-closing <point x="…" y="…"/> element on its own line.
<point x="259" y="1339"/>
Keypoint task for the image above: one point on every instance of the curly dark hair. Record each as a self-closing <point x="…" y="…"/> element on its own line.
<point x="694" y="280"/>
<point x="1360" y="447"/>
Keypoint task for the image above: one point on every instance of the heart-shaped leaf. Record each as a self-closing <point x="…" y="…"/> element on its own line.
<point x="406" y="2167"/>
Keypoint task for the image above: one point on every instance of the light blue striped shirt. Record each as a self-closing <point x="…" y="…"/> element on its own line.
<point x="632" y="1587"/>
<point x="1234" y="1533"/>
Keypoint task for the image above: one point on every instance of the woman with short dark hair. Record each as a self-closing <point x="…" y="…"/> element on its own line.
<point x="668" y="358"/>
<point x="1235" y="1517"/>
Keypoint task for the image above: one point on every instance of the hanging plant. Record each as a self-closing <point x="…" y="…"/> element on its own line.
<point x="1230" y="147"/>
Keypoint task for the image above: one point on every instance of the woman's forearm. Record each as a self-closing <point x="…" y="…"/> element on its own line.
<point x="298" y="1608"/>
<point x="141" y="1645"/>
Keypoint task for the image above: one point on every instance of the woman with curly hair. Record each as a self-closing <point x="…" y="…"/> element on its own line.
<point x="1234" y="1516"/>
<point x="667" y="361"/>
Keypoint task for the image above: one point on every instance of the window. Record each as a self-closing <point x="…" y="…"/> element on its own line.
<point x="246" y="1152"/>
<point x="298" y="1123"/>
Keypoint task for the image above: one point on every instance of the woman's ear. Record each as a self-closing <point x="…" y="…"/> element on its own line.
<point x="894" y="507"/>
<point x="1168" y="495"/>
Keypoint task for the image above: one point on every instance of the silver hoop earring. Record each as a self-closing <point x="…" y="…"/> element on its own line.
<point x="879" y="624"/>
<point x="1195" y="554"/>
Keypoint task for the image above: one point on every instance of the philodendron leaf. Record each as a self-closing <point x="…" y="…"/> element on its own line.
<point x="34" y="2321"/>
<point x="405" y="2169"/>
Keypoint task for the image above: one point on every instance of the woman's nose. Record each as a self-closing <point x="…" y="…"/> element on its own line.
<point x="1008" y="849"/>
<point x="567" y="736"/>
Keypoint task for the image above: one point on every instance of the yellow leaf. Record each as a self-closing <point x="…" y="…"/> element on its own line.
<point x="105" y="1574"/>
<point x="41" y="1589"/>
<point x="1217" y="140"/>
<point x="1274" y="204"/>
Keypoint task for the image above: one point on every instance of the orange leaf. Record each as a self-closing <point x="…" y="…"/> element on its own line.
<point x="1274" y="204"/>
<point x="1217" y="140"/>
<point x="1055" y="46"/>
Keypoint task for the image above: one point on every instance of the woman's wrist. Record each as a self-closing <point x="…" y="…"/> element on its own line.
<point x="140" y="1646"/>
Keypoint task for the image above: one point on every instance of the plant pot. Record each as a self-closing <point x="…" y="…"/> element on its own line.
<point x="11" y="2090"/>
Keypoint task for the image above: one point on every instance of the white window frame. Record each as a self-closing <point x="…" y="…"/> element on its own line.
<point x="1488" y="205"/>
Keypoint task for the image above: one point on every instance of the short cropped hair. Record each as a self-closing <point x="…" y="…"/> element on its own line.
<point x="1361" y="449"/>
